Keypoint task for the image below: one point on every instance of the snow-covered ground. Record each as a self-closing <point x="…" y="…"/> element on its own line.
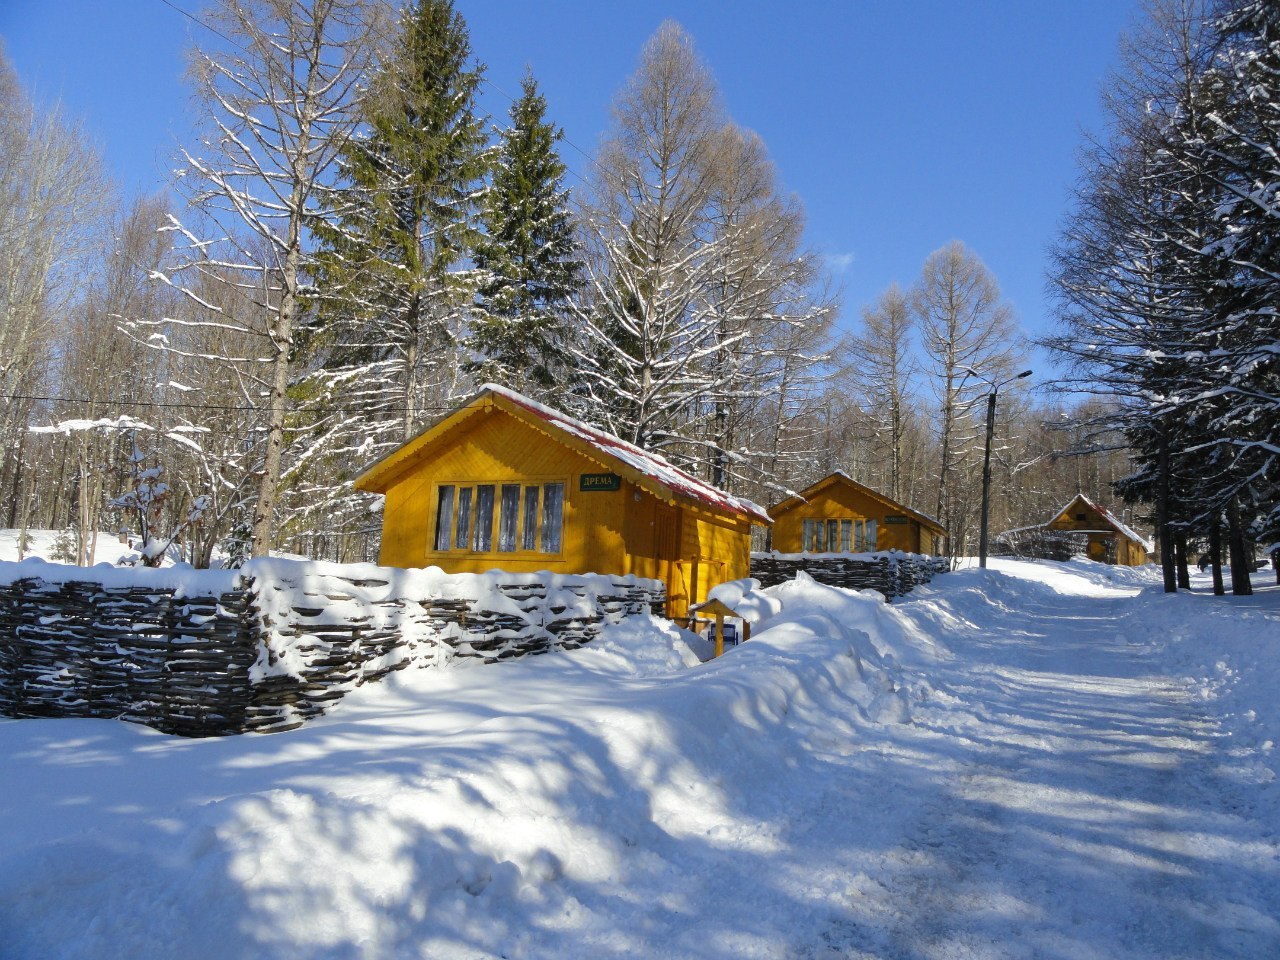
<point x="1040" y="760"/>
<point x="44" y="544"/>
<point x="54" y="545"/>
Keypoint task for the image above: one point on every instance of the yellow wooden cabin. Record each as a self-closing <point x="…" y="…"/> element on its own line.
<point x="839" y="515"/>
<point x="1109" y="540"/>
<point x="505" y="483"/>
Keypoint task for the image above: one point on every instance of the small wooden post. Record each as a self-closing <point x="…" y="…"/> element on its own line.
<point x="718" y="610"/>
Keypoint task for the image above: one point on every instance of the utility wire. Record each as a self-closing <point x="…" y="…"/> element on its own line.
<point x="194" y="19"/>
<point x="216" y="406"/>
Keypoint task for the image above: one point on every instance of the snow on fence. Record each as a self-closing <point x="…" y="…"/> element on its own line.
<point x="265" y="648"/>
<point x="892" y="572"/>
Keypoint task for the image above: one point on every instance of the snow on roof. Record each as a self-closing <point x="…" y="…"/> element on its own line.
<point x="1122" y="527"/>
<point x="651" y="465"/>
<point x="872" y="490"/>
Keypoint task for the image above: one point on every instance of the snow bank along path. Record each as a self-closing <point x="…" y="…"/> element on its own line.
<point x="1009" y="764"/>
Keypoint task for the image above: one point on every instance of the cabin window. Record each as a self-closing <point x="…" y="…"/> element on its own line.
<point x="510" y="513"/>
<point x="529" y="536"/>
<point x="461" y="536"/>
<point x="865" y="534"/>
<point x="552" y="516"/>
<point x="444" y="517"/>
<point x="482" y="541"/>
<point x="842" y="535"/>
<point x="815" y="536"/>
<point x="533" y="521"/>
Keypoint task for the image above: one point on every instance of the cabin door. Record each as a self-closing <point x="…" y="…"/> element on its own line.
<point x="666" y="544"/>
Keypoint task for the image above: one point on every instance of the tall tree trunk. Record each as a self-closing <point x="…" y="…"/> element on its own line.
<point x="1180" y="553"/>
<point x="895" y="421"/>
<point x="24" y="517"/>
<point x="1162" y="520"/>
<point x="1240" y="583"/>
<point x="720" y="430"/>
<point x="944" y="493"/>
<point x="409" y="396"/>
<point x="263" y="533"/>
<point x="1215" y="554"/>
<point x="15" y="492"/>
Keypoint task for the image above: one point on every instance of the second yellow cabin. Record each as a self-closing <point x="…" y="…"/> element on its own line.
<point x="839" y="515"/>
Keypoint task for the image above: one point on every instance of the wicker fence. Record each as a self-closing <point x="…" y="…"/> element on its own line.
<point x="891" y="572"/>
<point x="270" y="648"/>
<point x="1040" y="543"/>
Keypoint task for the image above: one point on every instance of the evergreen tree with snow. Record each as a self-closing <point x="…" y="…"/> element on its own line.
<point x="528" y="257"/>
<point x="1169" y="273"/>
<point x="394" y="275"/>
<point x="1131" y="290"/>
<point x="1238" y="152"/>
<point x="395" y="268"/>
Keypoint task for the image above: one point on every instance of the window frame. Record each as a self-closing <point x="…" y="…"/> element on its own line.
<point x="466" y="494"/>
<point x="840" y="534"/>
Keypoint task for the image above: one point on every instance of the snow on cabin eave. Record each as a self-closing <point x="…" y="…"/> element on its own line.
<point x="651" y="466"/>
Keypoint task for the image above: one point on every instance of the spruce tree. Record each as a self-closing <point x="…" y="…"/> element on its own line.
<point x="1238" y="152"/>
<point x="393" y="279"/>
<point x="528" y="258"/>
<point x="394" y="272"/>
<point x="1134" y="294"/>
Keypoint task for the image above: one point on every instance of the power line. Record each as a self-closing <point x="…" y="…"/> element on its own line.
<point x="217" y="406"/>
<point x="194" y="19"/>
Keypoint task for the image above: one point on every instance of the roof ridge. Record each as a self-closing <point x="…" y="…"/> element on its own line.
<point x="646" y="462"/>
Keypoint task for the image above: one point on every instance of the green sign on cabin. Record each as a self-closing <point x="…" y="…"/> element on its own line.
<point x="599" y="481"/>
<point x="895" y="519"/>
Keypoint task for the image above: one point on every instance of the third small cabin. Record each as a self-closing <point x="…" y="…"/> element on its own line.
<point x="1109" y="540"/>
<point x="839" y="515"/>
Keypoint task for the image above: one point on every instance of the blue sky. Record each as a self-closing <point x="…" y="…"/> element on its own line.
<point x="900" y="124"/>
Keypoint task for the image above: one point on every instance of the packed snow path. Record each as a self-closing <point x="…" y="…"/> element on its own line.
<point x="1041" y="761"/>
<point x="1090" y="811"/>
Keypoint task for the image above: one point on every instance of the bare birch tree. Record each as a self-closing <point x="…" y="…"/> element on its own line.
<point x="101" y="369"/>
<point x="878" y="364"/>
<point x="969" y="337"/>
<point x="704" y="315"/>
<point x="53" y="198"/>
<point x="645" y="244"/>
<point x="278" y="104"/>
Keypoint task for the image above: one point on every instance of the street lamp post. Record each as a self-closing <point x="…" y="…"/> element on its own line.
<point x="986" y="459"/>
